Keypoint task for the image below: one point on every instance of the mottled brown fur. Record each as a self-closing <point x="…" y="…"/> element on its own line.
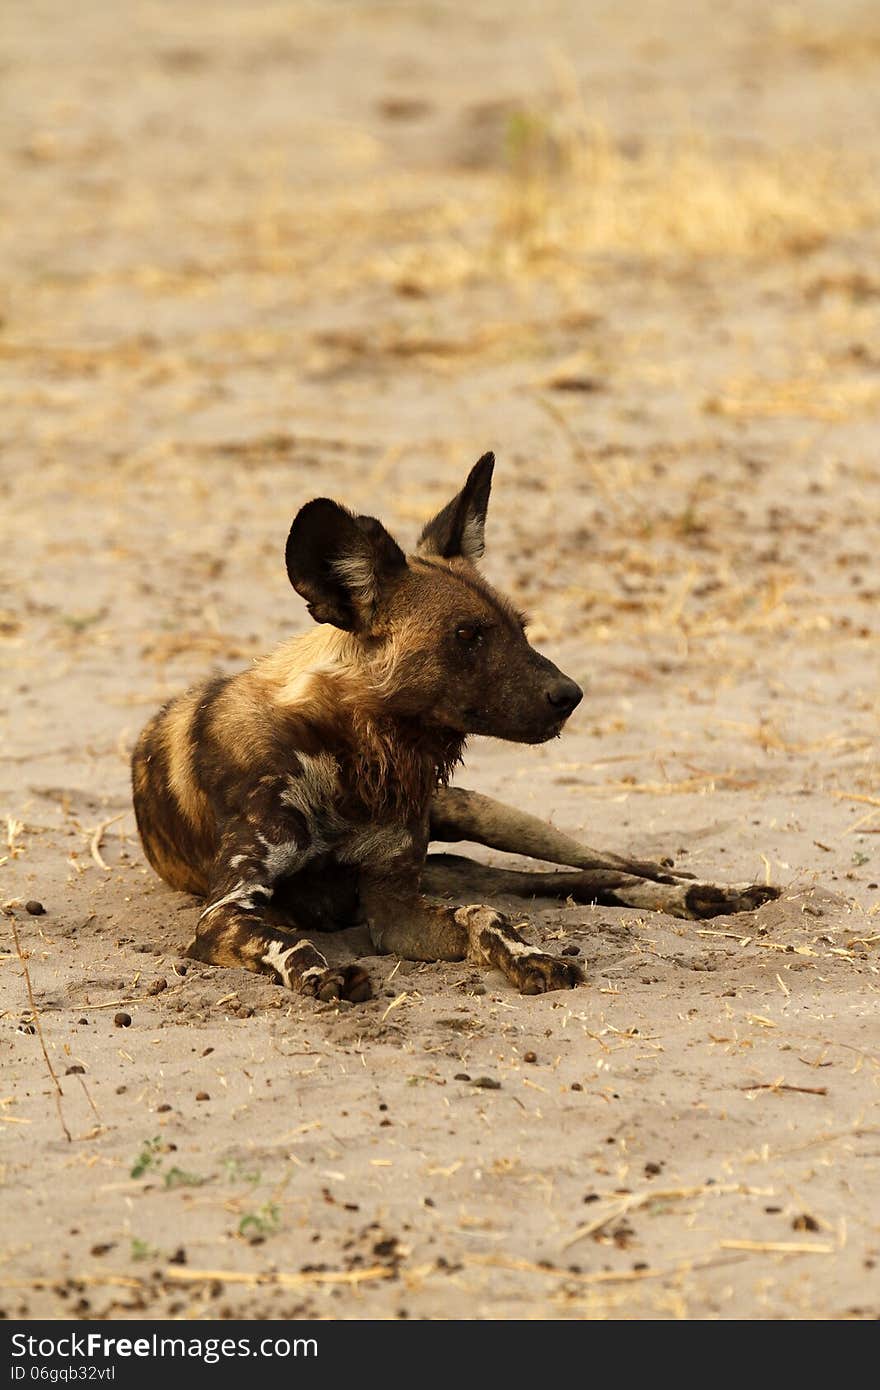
<point x="304" y="791"/>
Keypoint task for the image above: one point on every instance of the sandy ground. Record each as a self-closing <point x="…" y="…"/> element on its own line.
<point x="255" y="253"/>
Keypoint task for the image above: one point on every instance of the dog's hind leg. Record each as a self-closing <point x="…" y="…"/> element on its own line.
<point x="455" y="875"/>
<point x="458" y="814"/>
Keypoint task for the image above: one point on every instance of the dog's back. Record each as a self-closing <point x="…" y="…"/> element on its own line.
<point x="199" y="758"/>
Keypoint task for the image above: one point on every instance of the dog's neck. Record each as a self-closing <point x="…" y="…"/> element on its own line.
<point x="397" y="764"/>
<point x="394" y="762"/>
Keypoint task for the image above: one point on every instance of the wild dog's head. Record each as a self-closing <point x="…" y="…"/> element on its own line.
<point x="452" y="651"/>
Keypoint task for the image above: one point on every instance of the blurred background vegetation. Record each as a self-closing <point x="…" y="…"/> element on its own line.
<point x="254" y="252"/>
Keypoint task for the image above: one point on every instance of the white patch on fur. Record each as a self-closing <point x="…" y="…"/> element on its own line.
<point x="472" y="538"/>
<point x="358" y="574"/>
<point x="282" y="859"/>
<point x="471" y="916"/>
<point x="515" y="948"/>
<point x="298" y="688"/>
<point x="277" y="957"/>
<point x="312" y="790"/>
<point x="328" y="653"/>
<point x="242" y="893"/>
<point x="314" y="971"/>
<point x="291" y="668"/>
<point x="303" y="946"/>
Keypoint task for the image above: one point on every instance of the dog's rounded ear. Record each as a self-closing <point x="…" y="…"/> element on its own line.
<point x="338" y="562"/>
<point x="458" y="531"/>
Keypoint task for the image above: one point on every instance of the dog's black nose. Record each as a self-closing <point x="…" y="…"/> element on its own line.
<point x="565" y="696"/>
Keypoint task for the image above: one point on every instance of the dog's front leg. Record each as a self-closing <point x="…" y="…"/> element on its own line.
<point x="403" y="923"/>
<point x="237" y="928"/>
<point x="459" y="814"/>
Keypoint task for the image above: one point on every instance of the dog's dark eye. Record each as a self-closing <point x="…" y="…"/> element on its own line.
<point x="468" y="632"/>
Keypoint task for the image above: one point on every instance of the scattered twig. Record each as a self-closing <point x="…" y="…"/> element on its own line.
<point x="784" y="1086"/>
<point x="858" y="825"/>
<point x="91" y="1280"/>
<point x="285" y="1281"/>
<point x="604" y="1276"/>
<point x="395" y="1003"/>
<point x="632" y="1200"/>
<point x="98" y="835"/>
<point x="777" y="1247"/>
<point x="82" y="1081"/>
<point x="117" y="1003"/>
<point x="39" y="1027"/>
<point x="687" y="785"/>
<point x="828" y="1137"/>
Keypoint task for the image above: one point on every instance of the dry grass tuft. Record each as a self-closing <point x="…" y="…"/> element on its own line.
<point x="826" y="42"/>
<point x="820" y="396"/>
<point x="573" y="190"/>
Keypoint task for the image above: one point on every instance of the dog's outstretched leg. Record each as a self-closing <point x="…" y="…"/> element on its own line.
<point x="452" y="874"/>
<point x="405" y="924"/>
<point x="457" y="814"/>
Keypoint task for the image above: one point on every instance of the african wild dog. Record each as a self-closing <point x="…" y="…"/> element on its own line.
<point x="300" y="795"/>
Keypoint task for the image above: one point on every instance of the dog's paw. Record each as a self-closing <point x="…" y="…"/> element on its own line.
<point x="539" y="973"/>
<point x="714" y="900"/>
<point x="494" y="941"/>
<point x="351" y="982"/>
